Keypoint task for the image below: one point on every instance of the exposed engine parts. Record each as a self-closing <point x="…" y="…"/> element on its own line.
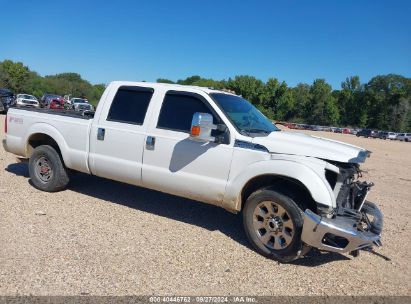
<point x="354" y="224"/>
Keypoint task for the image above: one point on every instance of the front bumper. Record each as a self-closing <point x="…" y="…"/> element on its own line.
<point x="317" y="232"/>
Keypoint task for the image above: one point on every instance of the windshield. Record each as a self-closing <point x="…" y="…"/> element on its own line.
<point x="26" y="96"/>
<point x="246" y="118"/>
<point x="79" y="100"/>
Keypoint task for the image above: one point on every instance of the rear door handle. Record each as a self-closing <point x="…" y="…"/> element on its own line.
<point x="150" y="142"/>
<point x="100" y="133"/>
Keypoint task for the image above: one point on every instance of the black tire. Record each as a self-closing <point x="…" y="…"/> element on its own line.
<point x="46" y="169"/>
<point x="293" y="249"/>
<point x="377" y="221"/>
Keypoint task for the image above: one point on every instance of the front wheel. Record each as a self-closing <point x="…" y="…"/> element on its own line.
<point x="273" y="224"/>
<point x="46" y="169"/>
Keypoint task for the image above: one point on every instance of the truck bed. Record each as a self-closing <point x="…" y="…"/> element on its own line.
<point x="68" y="113"/>
<point x="68" y="128"/>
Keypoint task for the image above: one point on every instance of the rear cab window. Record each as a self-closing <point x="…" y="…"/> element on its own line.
<point x="130" y="105"/>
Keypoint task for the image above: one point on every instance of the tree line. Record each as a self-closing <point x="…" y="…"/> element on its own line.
<point x="20" y="79"/>
<point x="383" y="103"/>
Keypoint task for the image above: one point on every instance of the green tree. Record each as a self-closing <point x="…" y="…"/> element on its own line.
<point x="324" y="110"/>
<point x="351" y="102"/>
<point x="285" y="109"/>
<point x="164" y="80"/>
<point x="189" y="80"/>
<point x="389" y="98"/>
<point x="302" y="98"/>
<point x="248" y="87"/>
<point x="270" y="94"/>
<point x="13" y="75"/>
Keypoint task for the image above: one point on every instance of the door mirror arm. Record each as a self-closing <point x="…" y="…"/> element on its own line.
<point x="223" y="135"/>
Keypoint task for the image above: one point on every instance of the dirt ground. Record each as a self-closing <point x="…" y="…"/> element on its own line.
<point x="101" y="237"/>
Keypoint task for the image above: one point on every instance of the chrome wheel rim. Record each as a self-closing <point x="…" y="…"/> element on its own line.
<point x="273" y="225"/>
<point x="43" y="169"/>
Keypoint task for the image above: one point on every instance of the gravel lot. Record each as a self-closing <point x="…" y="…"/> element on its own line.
<point x="101" y="237"/>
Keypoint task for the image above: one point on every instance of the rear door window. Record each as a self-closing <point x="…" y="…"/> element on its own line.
<point x="130" y="105"/>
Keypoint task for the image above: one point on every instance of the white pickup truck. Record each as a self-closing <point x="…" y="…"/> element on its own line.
<point x="294" y="191"/>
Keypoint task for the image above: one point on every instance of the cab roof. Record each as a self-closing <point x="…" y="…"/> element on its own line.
<point x="169" y="86"/>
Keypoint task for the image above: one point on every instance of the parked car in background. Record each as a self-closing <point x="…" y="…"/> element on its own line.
<point x="366" y="133"/>
<point x="387" y="135"/>
<point x="399" y="136"/>
<point x="404" y="137"/>
<point x="6" y="99"/>
<point x="382" y="134"/>
<point x="316" y="128"/>
<point x="346" y="131"/>
<point x="374" y="134"/>
<point x="56" y="104"/>
<point x="338" y="130"/>
<point x="26" y="100"/>
<point x="392" y="135"/>
<point x="47" y="98"/>
<point x="289" y="125"/>
<point x="81" y="104"/>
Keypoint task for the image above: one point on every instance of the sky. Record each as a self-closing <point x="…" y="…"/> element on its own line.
<point x="294" y="41"/>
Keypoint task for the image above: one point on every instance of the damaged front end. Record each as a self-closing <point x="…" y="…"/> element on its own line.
<point x="355" y="224"/>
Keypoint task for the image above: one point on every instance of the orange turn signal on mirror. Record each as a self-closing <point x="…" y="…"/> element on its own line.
<point x="195" y="130"/>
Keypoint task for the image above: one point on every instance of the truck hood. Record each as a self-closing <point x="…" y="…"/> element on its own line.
<point x="305" y="145"/>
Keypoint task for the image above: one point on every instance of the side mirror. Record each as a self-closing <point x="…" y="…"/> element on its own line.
<point x="201" y="127"/>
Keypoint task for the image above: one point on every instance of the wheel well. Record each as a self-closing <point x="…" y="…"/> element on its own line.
<point x="284" y="185"/>
<point x="40" y="139"/>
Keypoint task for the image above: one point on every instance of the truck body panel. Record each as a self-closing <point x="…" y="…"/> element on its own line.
<point x="154" y="149"/>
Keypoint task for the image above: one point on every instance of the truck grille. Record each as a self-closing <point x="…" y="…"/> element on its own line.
<point x="84" y="107"/>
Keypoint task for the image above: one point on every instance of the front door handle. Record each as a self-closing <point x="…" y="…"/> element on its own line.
<point x="100" y="133"/>
<point x="150" y="142"/>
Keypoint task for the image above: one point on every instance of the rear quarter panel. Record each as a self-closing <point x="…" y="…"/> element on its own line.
<point x="71" y="135"/>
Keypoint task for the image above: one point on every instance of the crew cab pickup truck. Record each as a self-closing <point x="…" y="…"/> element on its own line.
<point x="294" y="191"/>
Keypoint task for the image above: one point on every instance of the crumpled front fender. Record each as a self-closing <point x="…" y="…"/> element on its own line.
<point x="315" y="182"/>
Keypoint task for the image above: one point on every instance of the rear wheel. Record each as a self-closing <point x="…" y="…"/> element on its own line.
<point x="273" y="224"/>
<point x="46" y="169"/>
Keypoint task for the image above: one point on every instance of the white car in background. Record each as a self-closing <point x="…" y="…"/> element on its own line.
<point x="81" y="104"/>
<point x="26" y="100"/>
<point x="404" y="136"/>
<point x="392" y="135"/>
